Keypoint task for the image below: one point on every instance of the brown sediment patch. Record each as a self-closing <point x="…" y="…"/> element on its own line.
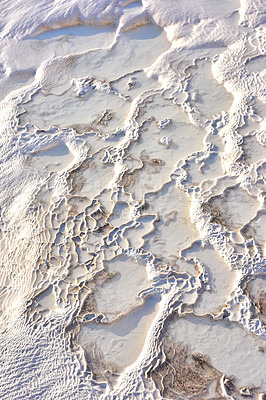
<point x="248" y="231"/>
<point x="129" y="179"/>
<point x="255" y="229"/>
<point x="262" y="302"/>
<point x="232" y="209"/>
<point x="184" y="375"/>
<point x="104" y="118"/>
<point x="88" y="305"/>
<point x="83" y="128"/>
<point x="252" y="150"/>
<point x="101" y="369"/>
<point x="75" y="179"/>
<point x="98" y="279"/>
<point x="104" y="229"/>
<point x="216" y="217"/>
<point x="78" y="204"/>
<point x="257" y="292"/>
<point x="141" y="180"/>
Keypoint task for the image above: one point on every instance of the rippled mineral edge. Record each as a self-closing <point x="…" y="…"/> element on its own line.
<point x="132" y="199"/>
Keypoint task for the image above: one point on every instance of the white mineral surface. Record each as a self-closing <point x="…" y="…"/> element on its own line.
<point x="132" y="199"/>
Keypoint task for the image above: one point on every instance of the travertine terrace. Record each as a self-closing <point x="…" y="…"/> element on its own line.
<point x="132" y="199"/>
